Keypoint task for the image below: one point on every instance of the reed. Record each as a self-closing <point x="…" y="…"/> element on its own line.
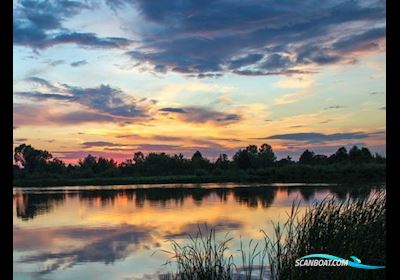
<point x="204" y="257"/>
<point x="344" y="229"/>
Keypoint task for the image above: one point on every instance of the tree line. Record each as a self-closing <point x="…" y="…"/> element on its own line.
<point x="31" y="162"/>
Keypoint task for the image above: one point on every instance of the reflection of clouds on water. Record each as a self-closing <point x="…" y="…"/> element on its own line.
<point x="192" y="228"/>
<point x="105" y="245"/>
<point x="100" y="244"/>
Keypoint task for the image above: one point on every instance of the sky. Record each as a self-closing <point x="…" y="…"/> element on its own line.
<point x="112" y="77"/>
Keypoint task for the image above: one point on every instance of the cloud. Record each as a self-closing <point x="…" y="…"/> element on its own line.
<point x="197" y="114"/>
<point x="228" y="139"/>
<point x="20" y="140"/>
<point x="315" y="137"/>
<point x="276" y="61"/>
<point x="334" y="107"/>
<point x="28" y="114"/>
<point x="208" y="39"/>
<point x="78" y="63"/>
<point x="55" y="62"/>
<point x="166" y="138"/>
<point x="254" y="37"/>
<point x="296" y="126"/>
<point x="270" y="73"/>
<point x="246" y="60"/>
<point x="86" y="40"/>
<point x="128" y="136"/>
<point x="39" y="25"/>
<point x="40" y="96"/>
<point x="291" y="97"/>
<point x="108" y="104"/>
<point x="157" y="147"/>
<point x="37" y="115"/>
<point x="173" y="110"/>
<point x="361" y="41"/>
<point x="116" y="4"/>
<point x="102" y="99"/>
<point x="84" y="117"/>
<point x="42" y="82"/>
<point x="99" y="144"/>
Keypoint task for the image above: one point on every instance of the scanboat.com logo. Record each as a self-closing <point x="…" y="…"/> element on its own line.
<point x="329" y="260"/>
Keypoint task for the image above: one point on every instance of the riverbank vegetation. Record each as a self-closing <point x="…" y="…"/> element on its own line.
<point x="34" y="167"/>
<point x="343" y="229"/>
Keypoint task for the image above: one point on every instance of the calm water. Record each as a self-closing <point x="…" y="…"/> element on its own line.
<point x="113" y="232"/>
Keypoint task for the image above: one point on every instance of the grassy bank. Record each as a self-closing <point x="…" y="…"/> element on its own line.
<point x="350" y="228"/>
<point x="295" y="174"/>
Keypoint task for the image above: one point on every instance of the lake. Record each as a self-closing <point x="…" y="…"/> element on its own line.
<point x="119" y="232"/>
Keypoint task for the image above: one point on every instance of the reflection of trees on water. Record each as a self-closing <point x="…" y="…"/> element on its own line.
<point x="341" y="192"/>
<point x="306" y="193"/>
<point x="29" y="205"/>
<point x="252" y="197"/>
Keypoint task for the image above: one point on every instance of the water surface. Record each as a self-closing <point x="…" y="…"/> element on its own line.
<point x="98" y="232"/>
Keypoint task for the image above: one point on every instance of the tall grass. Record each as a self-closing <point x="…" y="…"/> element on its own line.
<point x="344" y="229"/>
<point x="202" y="258"/>
<point x="350" y="228"/>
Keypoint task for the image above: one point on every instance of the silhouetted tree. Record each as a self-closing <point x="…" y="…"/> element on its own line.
<point x="197" y="155"/>
<point x="285" y="161"/>
<point x="306" y="157"/>
<point x="198" y="162"/>
<point x="242" y="159"/>
<point x="222" y="161"/>
<point x="56" y="166"/>
<point x="88" y="162"/>
<point x="320" y="159"/>
<point x="179" y="157"/>
<point x="357" y="155"/>
<point x="30" y="158"/>
<point x="127" y="167"/>
<point x="379" y="159"/>
<point x="266" y="155"/>
<point x="104" y="165"/>
<point x="138" y="157"/>
<point x="340" y="155"/>
<point x="29" y="162"/>
<point x="87" y="166"/>
<point x="366" y="154"/>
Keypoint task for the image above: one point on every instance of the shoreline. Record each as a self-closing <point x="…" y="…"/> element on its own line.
<point x="180" y="179"/>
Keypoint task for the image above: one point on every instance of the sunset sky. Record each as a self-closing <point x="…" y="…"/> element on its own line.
<point x="113" y="77"/>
